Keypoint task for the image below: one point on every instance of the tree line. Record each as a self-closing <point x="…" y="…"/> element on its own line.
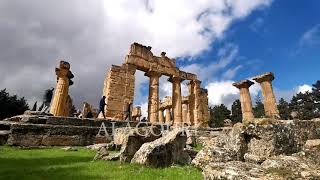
<point x="304" y="106"/>
<point x="11" y="105"/>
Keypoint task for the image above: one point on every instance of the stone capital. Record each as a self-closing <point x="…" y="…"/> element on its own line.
<point x="64" y="65"/>
<point x="243" y="84"/>
<point x="152" y="74"/>
<point x="196" y="81"/>
<point x="268" y="76"/>
<point x="175" y="79"/>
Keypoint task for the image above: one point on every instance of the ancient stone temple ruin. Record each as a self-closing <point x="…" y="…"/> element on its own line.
<point x="119" y="89"/>
<point x="61" y="102"/>
<point x="269" y="100"/>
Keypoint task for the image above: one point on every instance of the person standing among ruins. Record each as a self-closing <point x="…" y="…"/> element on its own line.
<point x="47" y="99"/>
<point x="102" y="106"/>
<point x="128" y="111"/>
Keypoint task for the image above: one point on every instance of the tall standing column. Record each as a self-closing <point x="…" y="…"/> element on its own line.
<point x="245" y="99"/>
<point x="185" y="113"/>
<point x="168" y="116"/>
<point x="161" y="118"/>
<point x="176" y="100"/>
<point x="153" y="103"/>
<point x="191" y="102"/>
<point x="59" y="101"/>
<point x="270" y="103"/>
<point x="197" y="106"/>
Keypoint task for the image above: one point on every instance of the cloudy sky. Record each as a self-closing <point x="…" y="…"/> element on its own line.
<point x="220" y="40"/>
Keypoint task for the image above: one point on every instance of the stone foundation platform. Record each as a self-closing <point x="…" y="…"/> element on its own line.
<point x="34" y="129"/>
<point x="44" y="130"/>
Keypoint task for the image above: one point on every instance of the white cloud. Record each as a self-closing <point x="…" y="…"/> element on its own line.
<point x="206" y="72"/>
<point x="92" y="35"/>
<point x="218" y="92"/>
<point x="230" y="73"/>
<point x="311" y="37"/>
<point x="304" y="88"/>
<point x="223" y="92"/>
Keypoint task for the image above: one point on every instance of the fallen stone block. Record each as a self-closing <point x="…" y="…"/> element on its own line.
<point x="164" y="151"/>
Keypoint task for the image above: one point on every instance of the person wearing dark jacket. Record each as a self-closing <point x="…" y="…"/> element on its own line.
<point x="102" y="106"/>
<point x="128" y="111"/>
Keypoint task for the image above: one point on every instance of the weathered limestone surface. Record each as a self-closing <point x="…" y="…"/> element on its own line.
<point x="136" y="113"/>
<point x="176" y="100"/>
<point x="276" y="139"/>
<point x="185" y="113"/>
<point x="285" y="150"/>
<point x="49" y="135"/>
<point x="191" y="102"/>
<point x="168" y="116"/>
<point x="204" y="110"/>
<point x="43" y="130"/>
<point x="270" y="103"/>
<point x="161" y="116"/>
<point x="141" y="58"/>
<point x="68" y="107"/>
<point x="60" y="98"/>
<point x="164" y="151"/>
<point x="153" y="101"/>
<point x="245" y="99"/>
<point x="197" y="103"/>
<point x="229" y="145"/>
<point x="135" y="139"/>
<point x="119" y="90"/>
<point x="132" y="139"/>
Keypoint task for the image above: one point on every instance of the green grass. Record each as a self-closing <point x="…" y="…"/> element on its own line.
<point x="54" y="163"/>
<point x="198" y="147"/>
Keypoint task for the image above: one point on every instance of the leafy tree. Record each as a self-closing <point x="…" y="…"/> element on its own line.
<point x="236" y="111"/>
<point x="284" y="109"/>
<point x="303" y="104"/>
<point x="258" y="110"/>
<point x="73" y="110"/>
<point x="316" y="98"/>
<point x="11" y="105"/>
<point x="218" y="114"/>
<point x="34" y="108"/>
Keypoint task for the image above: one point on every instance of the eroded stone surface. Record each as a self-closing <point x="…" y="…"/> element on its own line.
<point x="135" y="139"/>
<point x="164" y="151"/>
<point x="60" y="100"/>
<point x="229" y="145"/>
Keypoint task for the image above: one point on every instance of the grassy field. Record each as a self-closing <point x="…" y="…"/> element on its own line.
<point x="55" y="163"/>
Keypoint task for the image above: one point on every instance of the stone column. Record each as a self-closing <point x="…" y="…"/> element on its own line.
<point x="168" y="116"/>
<point x="197" y="106"/>
<point x="245" y="99"/>
<point x="153" y="101"/>
<point x="185" y="113"/>
<point x="270" y="103"/>
<point x="204" y="108"/>
<point x="176" y="100"/>
<point x="191" y="102"/>
<point x="59" y="100"/>
<point x="161" y="118"/>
